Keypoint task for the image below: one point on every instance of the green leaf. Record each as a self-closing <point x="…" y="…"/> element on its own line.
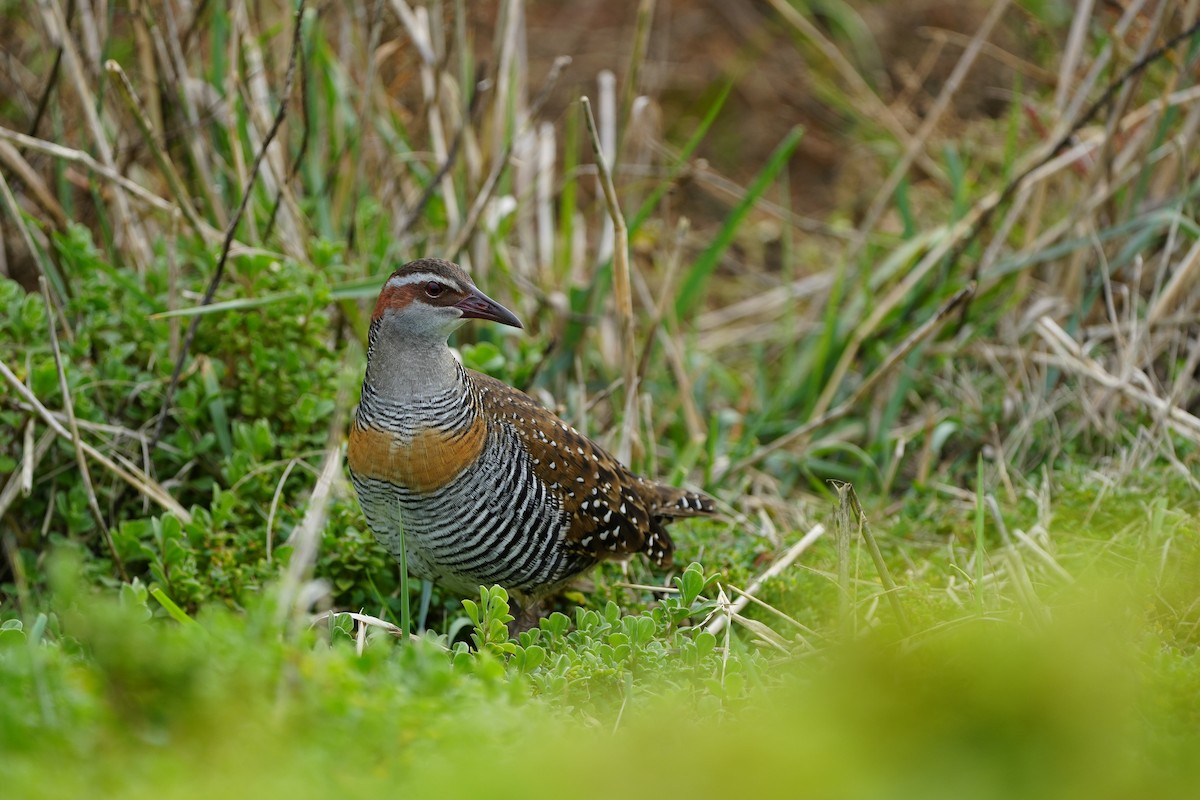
<point x="690" y="583"/>
<point x="11" y="635"/>
<point x="704" y="643"/>
<point x="534" y="657"/>
<point x="44" y="378"/>
<point x="33" y="313"/>
<point x="472" y="609"/>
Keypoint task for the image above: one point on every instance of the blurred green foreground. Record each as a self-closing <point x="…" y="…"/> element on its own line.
<point x="1099" y="699"/>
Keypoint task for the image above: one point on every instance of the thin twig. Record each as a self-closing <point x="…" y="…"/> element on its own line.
<point x="631" y="423"/>
<point x="22" y="480"/>
<point x="52" y="79"/>
<point x="794" y="552"/>
<point x="301" y="150"/>
<point x="73" y="156"/>
<point x="69" y="406"/>
<point x="232" y="228"/>
<point x="131" y="475"/>
<point x="1073" y="358"/>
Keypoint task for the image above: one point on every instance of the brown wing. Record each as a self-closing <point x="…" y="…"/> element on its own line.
<point x="614" y="513"/>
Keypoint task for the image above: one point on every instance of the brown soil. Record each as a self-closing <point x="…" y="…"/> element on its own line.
<point x="906" y="51"/>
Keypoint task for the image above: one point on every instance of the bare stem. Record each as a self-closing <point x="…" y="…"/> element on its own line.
<point x="621" y="288"/>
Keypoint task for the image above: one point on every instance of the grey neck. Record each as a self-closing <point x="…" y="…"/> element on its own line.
<point x="411" y="369"/>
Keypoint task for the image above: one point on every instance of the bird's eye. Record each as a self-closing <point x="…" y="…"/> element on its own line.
<point x="433" y="288"/>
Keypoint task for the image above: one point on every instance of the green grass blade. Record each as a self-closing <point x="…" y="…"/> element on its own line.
<point x="685" y="155"/>
<point x="692" y="288"/>
<point x="177" y="613"/>
<point x="216" y="406"/>
<point x="351" y="290"/>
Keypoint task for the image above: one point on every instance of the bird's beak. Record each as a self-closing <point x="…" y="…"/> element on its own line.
<point x="478" y="305"/>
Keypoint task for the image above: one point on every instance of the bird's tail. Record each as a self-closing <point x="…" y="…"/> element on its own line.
<point x="674" y="503"/>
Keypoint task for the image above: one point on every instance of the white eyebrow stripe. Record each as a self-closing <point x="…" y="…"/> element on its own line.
<point x="396" y="281"/>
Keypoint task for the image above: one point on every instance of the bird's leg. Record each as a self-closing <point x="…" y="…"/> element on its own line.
<point x="526" y="611"/>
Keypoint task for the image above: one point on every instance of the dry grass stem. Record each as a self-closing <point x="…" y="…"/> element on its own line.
<point x="29" y="459"/>
<point x="637" y="59"/>
<point x="764" y="633"/>
<point x="39" y="191"/>
<point x="269" y="164"/>
<point x="306" y="538"/>
<point x="898" y="294"/>
<point x="464" y="233"/>
<point x="843" y="533"/>
<point x="131" y="475"/>
<point x="786" y="617"/>
<point x="776" y="568"/>
<point x="14" y="211"/>
<point x="21" y="482"/>
<point x="135" y="190"/>
<point x="69" y="407"/>
<point x="60" y="35"/>
<point x="622" y="291"/>
<point x="417" y="23"/>
<point x="1054" y="149"/>
<point x="1008" y="59"/>
<point x="1071" y="357"/>
<point x="287" y="471"/>
<point x="365" y="621"/>
<point x="227" y="243"/>
<point x="1182" y="283"/>
<point x="1068" y="67"/>
<point x="891" y="590"/>
<point x="174" y="182"/>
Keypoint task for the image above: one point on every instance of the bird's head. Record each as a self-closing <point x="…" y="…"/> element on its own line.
<point x="429" y="298"/>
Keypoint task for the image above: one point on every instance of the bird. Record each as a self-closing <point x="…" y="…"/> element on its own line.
<point x="478" y="482"/>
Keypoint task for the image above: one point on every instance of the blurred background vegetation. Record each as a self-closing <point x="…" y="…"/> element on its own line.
<point x="946" y="252"/>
